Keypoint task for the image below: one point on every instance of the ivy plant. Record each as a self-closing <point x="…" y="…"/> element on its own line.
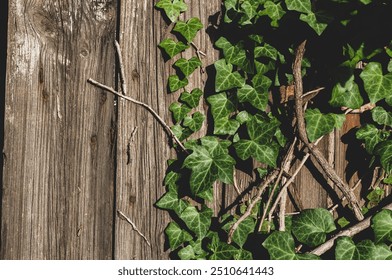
<point x="265" y="86"/>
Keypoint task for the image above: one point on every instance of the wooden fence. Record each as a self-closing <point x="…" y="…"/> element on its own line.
<point x="73" y="155"/>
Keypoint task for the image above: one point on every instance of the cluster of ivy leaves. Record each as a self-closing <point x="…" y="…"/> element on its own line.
<point x="257" y="39"/>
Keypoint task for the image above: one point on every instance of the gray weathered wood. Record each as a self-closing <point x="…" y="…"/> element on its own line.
<point x="58" y="186"/>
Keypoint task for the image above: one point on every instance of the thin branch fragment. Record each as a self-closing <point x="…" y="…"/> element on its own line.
<point x="122" y="73"/>
<point x="364" y="224"/>
<point x="151" y="110"/>
<point x="122" y="216"/>
<point x="299" y="111"/>
<point x="360" y="110"/>
<point x="255" y="199"/>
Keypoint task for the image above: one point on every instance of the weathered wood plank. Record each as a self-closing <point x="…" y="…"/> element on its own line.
<point x="139" y="179"/>
<point x="58" y="189"/>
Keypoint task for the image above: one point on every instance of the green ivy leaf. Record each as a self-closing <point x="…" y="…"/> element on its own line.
<point x="318" y="124"/>
<point x="197" y="221"/>
<point x="249" y="12"/>
<point x="221" y="108"/>
<point x="382" y="226"/>
<point x="281" y="246"/>
<point x="347" y="250"/>
<point x="188" y="66"/>
<point x="187" y="253"/>
<point x="266" y="50"/>
<point x="170" y="201"/>
<point x="179" y="111"/>
<point x="262" y="153"/>
<point x="175" y="83"/>
<point x="261" y="83"/>
<point x="172" y="48"/>
<point x="274" y="11"/>
<point x="311" y="20"/>
<point x="172" y="8"/>
<point x="176" y="235"/>
<point x="243" y="230"/>
<point x="191" y="99"/>
<point x="243" y="255"/>
<point x="372" y="136"/>
<point x="230" y="6"/>
<point x="262" y="129"/>
<point x="181" y="132"/>
<point x="347" y="95"/>
<point x="223" y="251"/>
<point x="384" y="150"/>
<point x="195" y="122"/>
<point x="312" y="225"/>
<point x="235" y="54"/>
<point x="209" y="162"/>
<point x="302" y="6"/>
<point x="381" y="116"/>
<point x="377" y="85"/>
<point x="242" y="117"/>
<point x="225" y="77"/>
<point x="249" y="94"/>
<point x="188" y="29"/>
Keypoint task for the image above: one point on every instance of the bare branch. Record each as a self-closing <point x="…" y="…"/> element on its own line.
<point x="360" y="110"/>
<point x="326" y="167"/>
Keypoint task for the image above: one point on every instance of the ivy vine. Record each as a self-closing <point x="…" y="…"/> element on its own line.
<point x="266" y="104"/>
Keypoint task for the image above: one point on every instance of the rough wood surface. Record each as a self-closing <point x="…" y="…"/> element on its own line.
<point x="58" y="187"/>
<point x="142" y="155"/>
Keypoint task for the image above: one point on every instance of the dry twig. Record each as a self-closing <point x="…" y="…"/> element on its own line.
<point x="271" y="177"/>
<point x="122" y="216"/>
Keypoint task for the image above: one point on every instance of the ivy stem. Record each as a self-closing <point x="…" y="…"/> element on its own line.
<point x="314" y="151"/>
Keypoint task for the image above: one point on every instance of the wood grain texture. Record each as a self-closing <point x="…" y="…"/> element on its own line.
<point x="140" y="182"/>
<point x="58" y="186"/>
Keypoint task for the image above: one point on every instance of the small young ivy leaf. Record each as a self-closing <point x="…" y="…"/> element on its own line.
<point x="312" y="225"/>
<point x="175" y="83"/>
<point x="235" y="54"/>
<point x="244" y="229"/>
<point x="225" y="77"/>
<point x="179" y="111"/>
<point x="311" y="20"/>
<point x="262" y="129"/>
<point x="209" y="162"/>
<point x="195" y="122"/>
<point x="382" y="226"/>
<point x="176" y="235"/>
<point x="191" y="99"/>
<point x="249" y="94"/>
<point x="188" y="29"/>
<point x="372" y="136"/>
<point x="318" y="124"/>
<point x="302" y="6"/>
<point x="377" y="85"/>
<point x="281" y="246"/>
<point x="384" y="150"/>
<point x="274" y="11"/>
<point x="261" y="83"/>
<point x="230" y="8"/>
<point x="221" y="108"/>
<point x="347" y="250"/>
<point x="381" y="116"/>
<point x="187" y="253"/>
<point x="242" y="117"/>
<point x="172" y="48"/>
<point x="181" y="132"/>
<point x="347" y="95"/>
<point x="188" y="66"/>
<point x="197" y="221"/>
<point x="172" y="8"/>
